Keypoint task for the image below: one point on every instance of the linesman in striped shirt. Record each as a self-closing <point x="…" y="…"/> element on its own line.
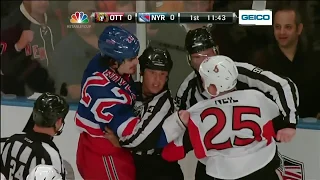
<point x="154" y="105"/>
<point x="200" y="45"/>
<point x="23" y="152"/>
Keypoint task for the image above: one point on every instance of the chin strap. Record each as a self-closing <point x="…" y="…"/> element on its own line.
<point x="58" y="132"/>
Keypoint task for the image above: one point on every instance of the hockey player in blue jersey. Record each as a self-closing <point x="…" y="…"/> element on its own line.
<point x="107" y="99"/>
<point x="107" y="96"/>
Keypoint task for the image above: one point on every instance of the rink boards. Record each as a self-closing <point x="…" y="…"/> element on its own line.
<point x="302" y="157"/>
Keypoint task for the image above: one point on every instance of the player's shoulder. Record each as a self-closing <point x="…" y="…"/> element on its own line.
<point x="184" y="84"/>
<point x="252" y="92"/>
<point x="248" y="95"/>
<point x="162" y="96"/>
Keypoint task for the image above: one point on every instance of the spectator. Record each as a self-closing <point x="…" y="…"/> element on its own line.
<point x="74" y="52"/>
<point x="29" y="36"/>
<point x="292" y="58"/>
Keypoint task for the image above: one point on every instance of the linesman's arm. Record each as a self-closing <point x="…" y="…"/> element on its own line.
<point x="283" y="90"/>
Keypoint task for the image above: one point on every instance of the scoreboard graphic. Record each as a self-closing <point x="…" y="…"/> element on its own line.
<point x="164" y="17"/>
<point x="246" y="17"/>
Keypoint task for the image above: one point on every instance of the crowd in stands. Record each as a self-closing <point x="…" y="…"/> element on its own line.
<point x="39" y="53"/>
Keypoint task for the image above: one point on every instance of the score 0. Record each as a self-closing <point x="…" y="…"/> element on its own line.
<point x="130" y="18"/>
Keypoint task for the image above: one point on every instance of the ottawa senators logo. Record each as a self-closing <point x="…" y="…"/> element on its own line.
<point x="102" y="17"/>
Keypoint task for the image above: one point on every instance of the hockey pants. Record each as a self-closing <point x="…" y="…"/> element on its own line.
<point x="97" y="160"/>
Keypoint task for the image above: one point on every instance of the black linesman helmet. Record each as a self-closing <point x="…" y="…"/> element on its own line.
<point x="198" y="40"/>
<point x="156" y="59"/>
<point x="48" y="108"/>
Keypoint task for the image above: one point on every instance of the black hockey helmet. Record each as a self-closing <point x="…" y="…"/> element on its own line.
<point x="48" y="108"/>
<point x="156" y="59"/>
<point x="198" y="40"/>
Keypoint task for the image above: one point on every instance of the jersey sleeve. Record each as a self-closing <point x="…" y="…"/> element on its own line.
<point x="106" y="105"/>
<point x="153" y="129"/>
<point x="283" y="90"/>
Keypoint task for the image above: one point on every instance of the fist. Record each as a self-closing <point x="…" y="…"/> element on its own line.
<point x="184" y="116"/>
<point x="25" y="38"/>
<point x="286" y="135"/>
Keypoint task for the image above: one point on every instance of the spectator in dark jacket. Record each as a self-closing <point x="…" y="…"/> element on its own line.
<point x="29" y="36"/>
<point x="291" y="57"/>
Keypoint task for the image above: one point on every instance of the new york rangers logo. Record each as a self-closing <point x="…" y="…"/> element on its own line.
<point x="291" y="169"/>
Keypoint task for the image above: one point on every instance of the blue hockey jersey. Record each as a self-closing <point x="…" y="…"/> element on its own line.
<point x="107" y="99"/>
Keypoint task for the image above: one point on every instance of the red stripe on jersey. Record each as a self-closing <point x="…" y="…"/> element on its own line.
<point x="90" y="130"/>
<point x="196" y="141"/>
<point x="128" y="130"/>
<point x="268" y="132"/>
<point x="173" y="152"/>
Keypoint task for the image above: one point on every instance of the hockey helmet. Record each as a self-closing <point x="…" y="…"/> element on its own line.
<point x="198" y="40"/>
<point x="43" y="172"/>
<point x="220" y="71"/>
<point x="48" y="108"/>
<point x="156" y="59"/>
<point x="118" y="43"/>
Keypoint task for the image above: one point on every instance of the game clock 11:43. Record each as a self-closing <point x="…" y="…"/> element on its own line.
<point x="213" y="17"/>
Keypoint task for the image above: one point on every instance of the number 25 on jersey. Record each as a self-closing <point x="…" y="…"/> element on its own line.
<point x="237" y="124"/>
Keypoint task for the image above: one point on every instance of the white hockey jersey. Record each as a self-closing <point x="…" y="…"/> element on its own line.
<point x="233" y="134"/>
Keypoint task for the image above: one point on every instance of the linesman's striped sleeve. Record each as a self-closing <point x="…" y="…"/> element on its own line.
<point x="283" y="90"/>
<point x="149" y="129"/>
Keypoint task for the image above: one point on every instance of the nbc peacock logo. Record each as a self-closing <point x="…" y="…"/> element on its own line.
<point x="79" y="18"/>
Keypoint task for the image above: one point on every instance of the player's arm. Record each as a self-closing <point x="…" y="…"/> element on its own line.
<point x="164" y="127"/>
<point x="154" y="124"/>
<point x="116" y="112"/>
<point x="283" y="90"/>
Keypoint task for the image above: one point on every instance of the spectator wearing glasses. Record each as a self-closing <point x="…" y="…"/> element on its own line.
<point x="291" y="57"/>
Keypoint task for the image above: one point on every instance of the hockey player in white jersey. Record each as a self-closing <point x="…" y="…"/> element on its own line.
<point x="233" y="133"/>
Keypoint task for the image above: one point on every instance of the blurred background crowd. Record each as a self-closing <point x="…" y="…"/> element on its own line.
<point x="40" y="53"/>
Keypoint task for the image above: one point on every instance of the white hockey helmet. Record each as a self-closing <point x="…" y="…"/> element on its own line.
<point x="43" y="172"/>
<point x="220" y="71"/>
